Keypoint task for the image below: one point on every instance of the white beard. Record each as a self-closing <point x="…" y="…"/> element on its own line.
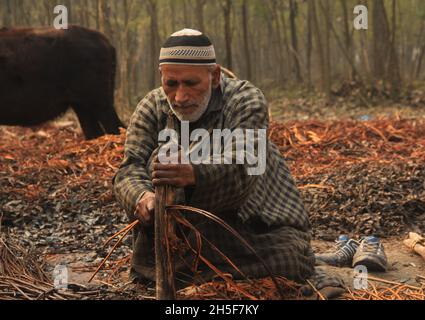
<point x="197" y="114"/>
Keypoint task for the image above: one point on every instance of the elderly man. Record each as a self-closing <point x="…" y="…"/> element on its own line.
<point x="265" y="209"/>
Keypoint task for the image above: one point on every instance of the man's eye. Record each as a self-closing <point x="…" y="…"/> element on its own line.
<point x="190" y="83"/>
<point x="171" y="83"/>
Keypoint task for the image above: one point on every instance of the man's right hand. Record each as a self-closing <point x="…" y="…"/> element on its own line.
<point x="146" y="208"/>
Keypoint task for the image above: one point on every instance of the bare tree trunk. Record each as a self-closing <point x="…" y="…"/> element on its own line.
<point x="48" y="11"/>
<point x="8" y="14"/>
<point x="104" y="18"/>
<point x="68" y="5"/>
<point x="247" y="49"/>
<point x="347" y="37"/>
<point x="15" y="15"/>
<point x="328" y="51"/>
<point x="275" y="31"/>
<point x="173" y="16"/>
<point x="24" y="15"/>
<point x="123" y="40"/>
<point x="154" y="42"/>
<point x="324" y="75"/>
<point x="327" y="15"/>
<point x="421" y="51"/>
<point x="309" y="44"/>
<point x="98" y="9"/>
<point x="294" y="40"/>
<point x="200" y="15"/>
<point x="85" y="13"/>
<point x="393" y="69"/>
<point x="227" y="10"/>
<point x="187" y="17"/>
<point x="284" y="28"/>
<point x="384" y="57"/>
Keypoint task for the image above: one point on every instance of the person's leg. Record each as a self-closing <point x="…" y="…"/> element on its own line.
<point x="143" y="259"/>
<point x="285" y="251"/>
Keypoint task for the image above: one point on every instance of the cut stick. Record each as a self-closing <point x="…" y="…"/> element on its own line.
<point x="416" y="243"/>
<point x="164" y="230"/>
<point x="110" y="252"/>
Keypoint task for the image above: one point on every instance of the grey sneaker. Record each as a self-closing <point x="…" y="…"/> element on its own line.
<point x="345" y="249"/>
<point x="371" y="254"/>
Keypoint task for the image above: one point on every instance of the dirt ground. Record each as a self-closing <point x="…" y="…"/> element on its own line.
<point x="404" y="265"/>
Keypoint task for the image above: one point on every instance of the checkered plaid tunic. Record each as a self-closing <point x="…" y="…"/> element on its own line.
<point x="266" y="209"/>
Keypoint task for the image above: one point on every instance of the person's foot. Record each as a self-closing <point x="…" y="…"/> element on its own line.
<point x="329" y="286"/>
<point x="371" y="254"/>
<point x="343" y="254"/>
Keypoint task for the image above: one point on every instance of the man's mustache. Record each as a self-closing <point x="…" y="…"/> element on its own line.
<point x="186" y="105"/>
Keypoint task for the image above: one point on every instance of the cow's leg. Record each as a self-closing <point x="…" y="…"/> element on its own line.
<point x="109" y="120"/>
<point x="88" y="122"/>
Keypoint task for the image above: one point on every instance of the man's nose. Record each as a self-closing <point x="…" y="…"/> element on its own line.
<point x="181" y="96"/>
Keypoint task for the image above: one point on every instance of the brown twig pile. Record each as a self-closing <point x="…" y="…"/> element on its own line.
<point x="393" y="291"/>
<point x="259" y="289"/>
<point x="22" y="275"/>
<point x="313" y="147"/>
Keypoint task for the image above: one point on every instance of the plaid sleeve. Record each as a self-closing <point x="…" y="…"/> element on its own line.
<point x="223" y="187"/>
<point x="132" y="179"/>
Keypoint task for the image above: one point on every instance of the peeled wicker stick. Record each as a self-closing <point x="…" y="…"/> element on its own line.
<point x="233" y="232"/>
<point x="127" y="230"/>
<point x="416" y="243"/>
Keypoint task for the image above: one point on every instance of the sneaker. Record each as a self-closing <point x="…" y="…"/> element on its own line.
<point x="371" y="254"/>
<point x="345" y="249"/>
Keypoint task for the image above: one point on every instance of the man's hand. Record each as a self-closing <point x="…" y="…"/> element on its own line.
<point x="178" y="175"/>
<point x="145" y="209"/>
<point x="175" y="173"/>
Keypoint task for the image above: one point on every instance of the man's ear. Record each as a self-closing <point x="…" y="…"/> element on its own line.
<point x="216" y="76"/>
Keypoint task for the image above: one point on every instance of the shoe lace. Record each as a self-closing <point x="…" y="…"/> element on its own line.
<point x="339" y="244"/>
<point x="346" y="252"/>
<point x="371" y="247"/>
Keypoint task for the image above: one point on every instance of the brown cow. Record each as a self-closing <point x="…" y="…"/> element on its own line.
<point x="43" y="71"/>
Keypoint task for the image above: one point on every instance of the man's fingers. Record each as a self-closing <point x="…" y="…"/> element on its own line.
<point x="145" y="217"/>
<point x="151" y="206"/>
<point x="165" y="166"/>
<point x="159" y="174"/>
<point x="164" y="181"/>
<point x="145" y="210"/>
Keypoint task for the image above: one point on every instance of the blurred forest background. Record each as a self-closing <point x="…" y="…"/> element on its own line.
<point x="277" y="44"/>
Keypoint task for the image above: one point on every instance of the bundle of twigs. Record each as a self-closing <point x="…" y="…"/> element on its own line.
<point x="392" y="291"/>
<point x="174" y="211"/>
<point x="258" y="289"/>
<point x="22" y="276"/>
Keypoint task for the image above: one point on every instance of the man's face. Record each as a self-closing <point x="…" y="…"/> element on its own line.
<point x="188" y="89"/>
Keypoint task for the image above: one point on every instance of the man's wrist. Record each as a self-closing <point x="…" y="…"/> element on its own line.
<point x="142" y="195"/>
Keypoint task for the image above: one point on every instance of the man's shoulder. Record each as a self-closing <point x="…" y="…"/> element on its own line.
<point x="235" y="90"/>
<point x="151" y="110"/>
<point x="154" y="101"/>
<point x="156" y="95"/>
